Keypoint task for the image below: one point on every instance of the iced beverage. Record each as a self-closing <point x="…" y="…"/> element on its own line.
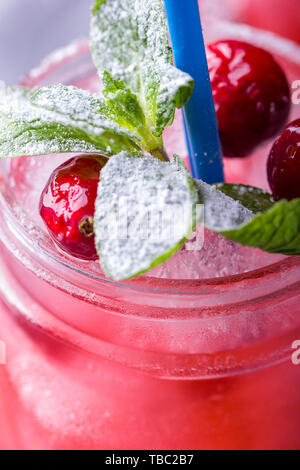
<point x="195" y="354"/>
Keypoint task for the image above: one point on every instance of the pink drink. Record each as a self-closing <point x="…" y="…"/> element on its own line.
<point x="195" y="355"/>
<point x="278" y="16"/>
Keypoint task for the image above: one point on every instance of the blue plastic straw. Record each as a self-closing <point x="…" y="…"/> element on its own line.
<point x="199" y="115"/>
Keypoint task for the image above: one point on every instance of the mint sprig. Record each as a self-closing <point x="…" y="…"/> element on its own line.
<point x="59" y="119"/>
<point x="141" y="90"/>
<point x="129" y="40"/>
<point x="126" y="110"/>
<point x="145" y="211"/>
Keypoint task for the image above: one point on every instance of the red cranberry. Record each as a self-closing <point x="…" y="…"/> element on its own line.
<point x="67" y="205"/>
<point x="251" y="94"/>
<point x="284" y="163"/>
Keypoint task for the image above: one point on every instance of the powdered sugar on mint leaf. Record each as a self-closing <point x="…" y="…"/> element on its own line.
<point x="129" y="39"/>
<point x="250" y="216"/>
<point x="221" y="211"/>
<point x="145" y="211"/>
<point x="58" y="119"/>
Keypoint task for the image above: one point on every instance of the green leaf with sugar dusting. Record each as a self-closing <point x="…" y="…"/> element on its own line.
<point x="129" y="39"/>
<point x="221" y="212"/>
<point x="126" y="111"/>
<point x="276" y="231"/>
<point x="250" y="216"/>
<point x="145" y="211"/>
<point x="58" y="119"/>
<point x="255" y="199"/>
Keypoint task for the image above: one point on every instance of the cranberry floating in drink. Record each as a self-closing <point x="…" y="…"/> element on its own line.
<point x="67" y="205"/>
<point x="251" y="94"/>
<point x="284" y="163"/>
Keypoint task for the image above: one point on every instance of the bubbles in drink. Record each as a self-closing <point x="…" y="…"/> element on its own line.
<point x="218" y="257"/>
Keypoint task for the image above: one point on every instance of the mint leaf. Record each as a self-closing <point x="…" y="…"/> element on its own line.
<point x="129" y="40"/>
<point x="124" y="105"/>
<point x="275" y="231"/>
<point x="145" y="211"/>
<point x="249" y="216"/>
<point x="126" y="111"/>
<point x="58" y="119"/>
<point x="221" y="212"/>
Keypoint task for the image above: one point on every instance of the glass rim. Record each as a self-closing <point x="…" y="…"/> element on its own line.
<point x="66" y="55"/>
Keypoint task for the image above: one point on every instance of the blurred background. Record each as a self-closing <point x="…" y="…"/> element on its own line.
<point x="30" y="29"/>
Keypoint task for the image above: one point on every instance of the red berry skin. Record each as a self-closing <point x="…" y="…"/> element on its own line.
<point x="283" y="164"/>
<point x="67" y="205"/>
<point x="251" y="94"/>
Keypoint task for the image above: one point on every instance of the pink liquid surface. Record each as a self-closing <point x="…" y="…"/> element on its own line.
<point x="279" y="16"/>
<point x="188" y="363"/>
